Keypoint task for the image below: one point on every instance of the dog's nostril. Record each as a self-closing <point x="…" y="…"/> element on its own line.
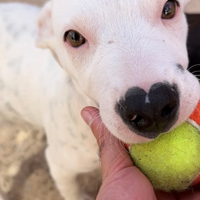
<point x="167" y="111"/>
<point x="139" y="121"/>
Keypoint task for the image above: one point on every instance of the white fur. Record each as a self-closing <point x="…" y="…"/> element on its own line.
<point x="128" y="44"/>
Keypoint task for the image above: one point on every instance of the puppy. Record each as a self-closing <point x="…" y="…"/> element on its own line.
<point x="128" y="58"/>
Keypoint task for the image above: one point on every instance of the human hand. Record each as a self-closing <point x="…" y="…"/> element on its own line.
<point x="121" y="179"/>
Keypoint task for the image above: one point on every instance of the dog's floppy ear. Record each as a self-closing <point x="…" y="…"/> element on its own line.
<point x="45" y="35"/>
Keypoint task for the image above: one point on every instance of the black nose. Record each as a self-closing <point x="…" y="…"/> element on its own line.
<point x="152" y="113"/>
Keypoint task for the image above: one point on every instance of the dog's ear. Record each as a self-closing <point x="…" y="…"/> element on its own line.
<point x="45" y="35"/>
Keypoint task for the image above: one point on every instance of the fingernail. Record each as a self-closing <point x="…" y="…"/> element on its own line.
<point x="87" y="117"/>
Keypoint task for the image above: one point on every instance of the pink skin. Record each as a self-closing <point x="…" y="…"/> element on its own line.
<point x="121" y="179"/>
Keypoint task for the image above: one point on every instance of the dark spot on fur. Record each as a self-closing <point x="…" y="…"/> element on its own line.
<point x="71" y="132"/>
<point x="180" y="67"/>
<point x="74" y="147"/>
<point x="83" y="136"/>
<point x="111" y="42"/>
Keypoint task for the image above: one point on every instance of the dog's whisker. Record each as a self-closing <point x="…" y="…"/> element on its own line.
<point x="111" y="139"/>
<point x="196" y="71"/>
<point x="104" y="139"/>
<point x="198" y="78"/>
<point x="122" y="106"/>
<point x="189" y="68"/>
<point x="197" y="109"/>
<point x="94" y="120"/>
<point x="123" y="147"/>
<point x="119" y="149"/>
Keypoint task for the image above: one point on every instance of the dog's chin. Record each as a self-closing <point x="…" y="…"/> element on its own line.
<point x="117" y="128"/>
<point x="129" y="137"/>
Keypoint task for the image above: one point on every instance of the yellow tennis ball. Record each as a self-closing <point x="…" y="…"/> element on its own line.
<point x="172" y="160"/>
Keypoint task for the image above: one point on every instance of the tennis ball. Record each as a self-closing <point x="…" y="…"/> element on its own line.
<point x="172" y="161"/>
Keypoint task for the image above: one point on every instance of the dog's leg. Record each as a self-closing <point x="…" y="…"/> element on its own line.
<point x="65" y="178"/>
<point x="72" y="149"/>
<point x="65" y="172"/>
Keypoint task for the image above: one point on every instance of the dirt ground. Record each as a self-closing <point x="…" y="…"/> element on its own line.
<point x="35" y="2"/>
<point x="24" y="173"/>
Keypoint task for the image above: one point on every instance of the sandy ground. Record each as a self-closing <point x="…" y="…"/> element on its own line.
<point x="24" y="173"/>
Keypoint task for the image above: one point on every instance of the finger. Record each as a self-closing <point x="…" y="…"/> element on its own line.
<point x="117" y="168"/>
<point x="114" y="156"/>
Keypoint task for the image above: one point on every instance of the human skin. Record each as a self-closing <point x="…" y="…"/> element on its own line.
<point x="121" y="179"/>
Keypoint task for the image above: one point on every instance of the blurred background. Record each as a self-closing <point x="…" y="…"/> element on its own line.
<point x="36" y="2"/>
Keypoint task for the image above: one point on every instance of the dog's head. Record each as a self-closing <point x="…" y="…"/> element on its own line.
<point x="129" y="57"/>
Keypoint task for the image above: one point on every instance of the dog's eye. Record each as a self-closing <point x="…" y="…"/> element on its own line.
<point x="169" y="9"/>
<point x="74" y="38"/>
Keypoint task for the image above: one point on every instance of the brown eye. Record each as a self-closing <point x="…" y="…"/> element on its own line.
<point x="169" y="9"/>
<point x="74" y="38"/>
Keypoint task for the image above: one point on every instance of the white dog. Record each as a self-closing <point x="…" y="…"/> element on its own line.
<point x="128" y="58"/>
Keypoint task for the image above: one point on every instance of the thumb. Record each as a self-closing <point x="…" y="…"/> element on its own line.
<point x="114" y="156"/>
<point x="121" y="180"/>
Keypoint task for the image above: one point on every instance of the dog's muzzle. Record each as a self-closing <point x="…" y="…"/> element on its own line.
<point x="152" y="113"/>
